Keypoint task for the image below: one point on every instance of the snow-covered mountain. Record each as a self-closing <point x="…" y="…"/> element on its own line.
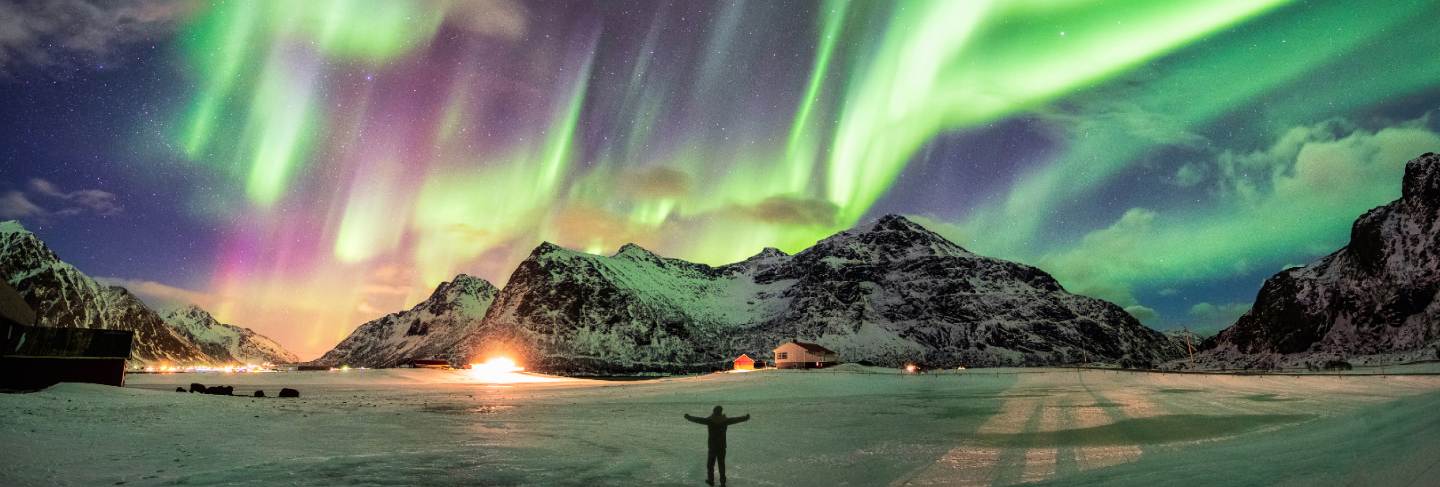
<point x="225" y="343"/>
<point x="889" y="293"/>
<point x="431" y="329"/>
<point x="62" y="296"/>
<point x="1372" y="301"/>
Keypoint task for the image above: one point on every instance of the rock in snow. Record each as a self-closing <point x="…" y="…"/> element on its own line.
<point x="889" y="293"/>
<point x="1372" y="301"/>
<point x="62" y="296"/>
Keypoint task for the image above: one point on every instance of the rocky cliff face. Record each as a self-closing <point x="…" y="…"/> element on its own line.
<point x="1372" y="301"/>
<point x="433" y="328"/>
<point x="225" y="343"/>
<point x="62" y="296"/>
<point x="891" y="292"/>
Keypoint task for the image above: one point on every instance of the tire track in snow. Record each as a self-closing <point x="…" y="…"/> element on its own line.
<point x="975" y="465"/>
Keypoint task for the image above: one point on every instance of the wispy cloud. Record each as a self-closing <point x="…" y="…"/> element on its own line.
<point x="162" y="295"/>
<point x="43" y="199"/>
<point x="41" y="34"/>
<point x="15" y="204"/>
<point x="1210" y="317"/>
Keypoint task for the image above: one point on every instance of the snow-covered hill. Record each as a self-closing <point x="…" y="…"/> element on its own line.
<point x="431" y="329"/>
<point x="225" y="343"/>
<point x="1372" y="301"/>
<point x="889" y="293"/>
<point x="62" y="296"/>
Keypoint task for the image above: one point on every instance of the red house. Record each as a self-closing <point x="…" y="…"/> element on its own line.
<point x="744" y="362"/>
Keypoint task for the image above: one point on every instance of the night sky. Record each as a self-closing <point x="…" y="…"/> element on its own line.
<point x="302" y="167"/>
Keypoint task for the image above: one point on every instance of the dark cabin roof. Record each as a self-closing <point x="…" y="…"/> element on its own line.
<point x="811" y="347"/>
<point x="13" y="307"/>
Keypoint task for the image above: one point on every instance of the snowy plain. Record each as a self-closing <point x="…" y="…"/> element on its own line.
<point x="845" y="426"/>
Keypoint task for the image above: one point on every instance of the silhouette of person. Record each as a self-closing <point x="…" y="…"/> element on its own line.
<point x="716" y="423"/>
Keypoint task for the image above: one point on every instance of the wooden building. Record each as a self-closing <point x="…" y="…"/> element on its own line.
<point x="744" y="362"/>
<point x="796" y="354"/>
<point x="36" y="357"/>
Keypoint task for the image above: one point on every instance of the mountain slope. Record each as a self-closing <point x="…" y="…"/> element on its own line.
<point x="225" y="343"/>
<point x="62" y="296"/>
<point x="1374" y="300"/>
<point x="430" y="329"/>
<point x="888" y="293"/>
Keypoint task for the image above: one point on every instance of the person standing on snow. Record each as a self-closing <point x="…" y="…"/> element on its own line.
<point x="716" y="423"/>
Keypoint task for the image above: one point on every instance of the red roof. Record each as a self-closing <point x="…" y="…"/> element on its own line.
<point x="811" y="347"/>
<point x="743" y="358"/>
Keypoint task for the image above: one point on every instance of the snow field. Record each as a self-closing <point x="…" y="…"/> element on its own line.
<point x="845" y="427"/>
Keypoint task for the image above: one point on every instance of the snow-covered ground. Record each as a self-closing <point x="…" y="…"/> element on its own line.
<point x="851" y="426"/>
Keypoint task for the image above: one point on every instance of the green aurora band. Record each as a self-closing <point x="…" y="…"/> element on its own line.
<point x="278" y="108"/>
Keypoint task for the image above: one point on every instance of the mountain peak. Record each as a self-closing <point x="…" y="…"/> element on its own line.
<point x="889" y="237"/>
<point x="462" y="283"/>
<point x="463" y="278"/>
<point x="1422" y="178"/>
<point x="12" y="226"/>
<point x="768" y="253"/>
<point x="546" y="249"/>
<point x="895" y="222"/>
<point x="633" y="251"/>
<point x="191" y="309"/>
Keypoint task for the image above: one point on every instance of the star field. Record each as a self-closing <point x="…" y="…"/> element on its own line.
<point x="301" y="167"/>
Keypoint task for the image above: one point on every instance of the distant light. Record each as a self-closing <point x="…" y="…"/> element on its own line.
<point x="502" y="370"/>
<point x="911" y="368"/>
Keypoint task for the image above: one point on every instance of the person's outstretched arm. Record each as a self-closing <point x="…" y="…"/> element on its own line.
<point x="695" y="419"/>
<point x="740" y="419"/>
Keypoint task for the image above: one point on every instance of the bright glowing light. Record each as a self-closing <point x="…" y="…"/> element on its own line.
<point x="911" y="368"/>
<point x="504" y="370"/>
<point x="496" y="365"/>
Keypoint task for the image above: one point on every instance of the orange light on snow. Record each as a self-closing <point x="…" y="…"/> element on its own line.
<point x="503" y="370"/>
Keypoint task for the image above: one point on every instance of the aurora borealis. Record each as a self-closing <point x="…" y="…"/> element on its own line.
<point x="302" y="167"/>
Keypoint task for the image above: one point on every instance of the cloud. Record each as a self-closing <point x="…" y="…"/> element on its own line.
<point x="787" y="210"/>
<point x="1106" y="116"/>
<point x="56" y="202"/>
<point x="1144" y="314"/>
<point x="162" y="295"/>
<point x="62" y="33"/>
<point x="93" y="200"/>
<point x="14" y="204"/>
<point x="1214" y="317"/>
<point x="1291" y="201"/>
<point x="655" y="183"/>
<point x="1190" y="174"/>
<point x="505" y="19"/>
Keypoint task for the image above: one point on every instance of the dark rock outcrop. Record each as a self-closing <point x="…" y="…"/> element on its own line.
<point x="1376" y="300"/>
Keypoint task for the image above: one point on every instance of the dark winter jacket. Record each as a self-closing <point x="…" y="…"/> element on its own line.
<point x="717" y="424"/>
